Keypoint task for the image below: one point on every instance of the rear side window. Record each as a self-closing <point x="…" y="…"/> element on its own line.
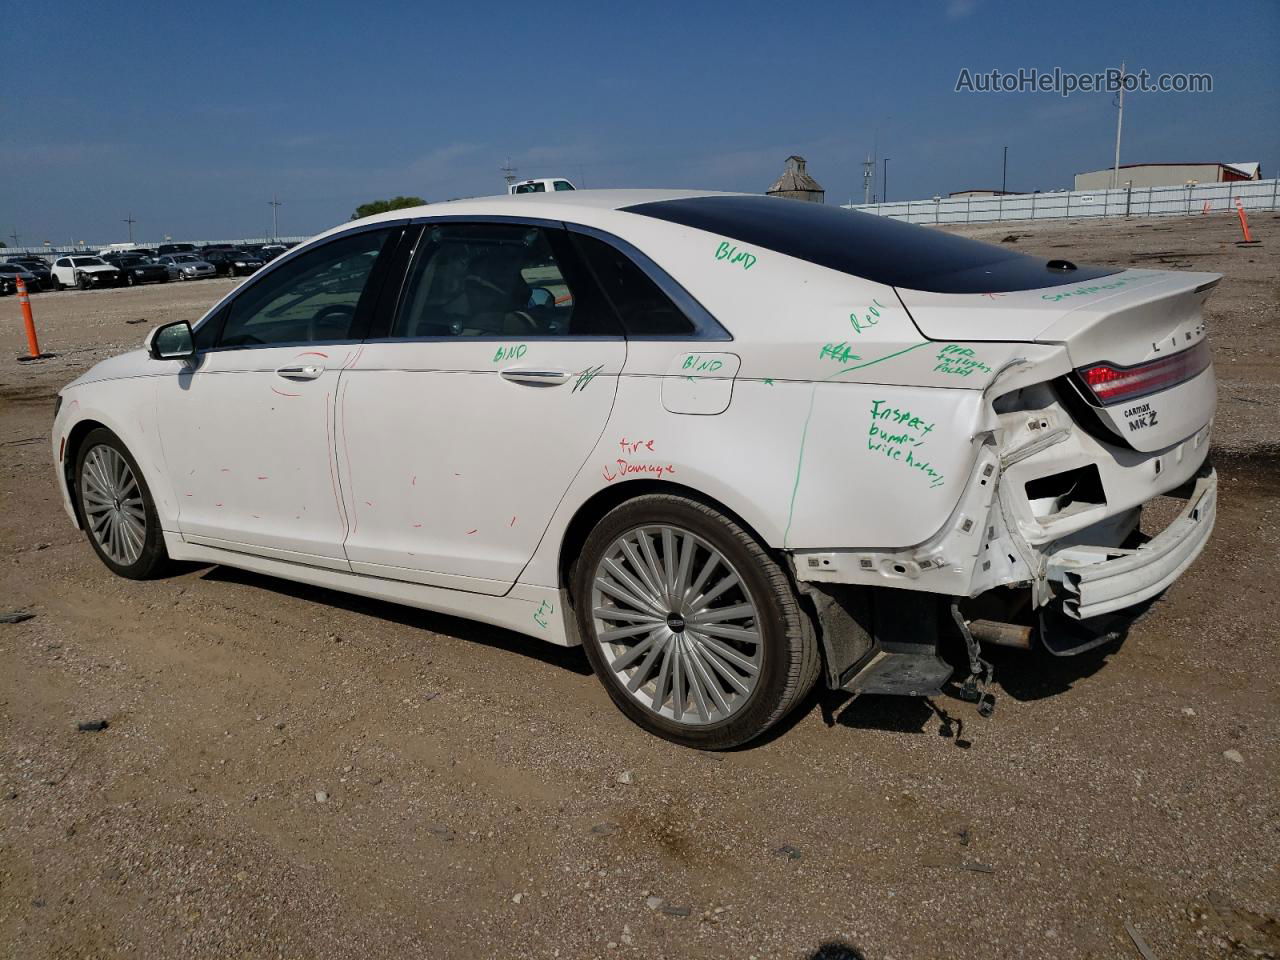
<point x="645" y="310"/>
<point x="531" y="188"/>
<point x="864" y="245"/>
<point x="563" y="185"/>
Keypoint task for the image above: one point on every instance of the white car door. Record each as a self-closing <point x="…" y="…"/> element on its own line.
<point x="460" y="429"/>
<point x="248" y="429"/>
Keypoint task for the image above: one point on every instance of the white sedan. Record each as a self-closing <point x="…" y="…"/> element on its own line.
<point x="733" y="445"/>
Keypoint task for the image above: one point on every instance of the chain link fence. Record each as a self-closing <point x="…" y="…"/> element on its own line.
<point x="1123" y="202"/>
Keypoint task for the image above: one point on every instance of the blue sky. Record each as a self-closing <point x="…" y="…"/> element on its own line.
<point x="190" y="115"/>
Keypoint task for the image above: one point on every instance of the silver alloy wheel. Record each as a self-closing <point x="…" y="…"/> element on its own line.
<point x="113" y="504"/>
<point x="676" y="624"/>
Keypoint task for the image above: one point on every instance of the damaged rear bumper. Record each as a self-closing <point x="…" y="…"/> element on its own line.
<point x="1095" y="580"/>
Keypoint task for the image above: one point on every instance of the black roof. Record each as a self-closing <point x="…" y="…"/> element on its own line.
<point x="864" y="245"/>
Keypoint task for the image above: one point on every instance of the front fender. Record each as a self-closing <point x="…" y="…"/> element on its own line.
<point x="126" y="407"/>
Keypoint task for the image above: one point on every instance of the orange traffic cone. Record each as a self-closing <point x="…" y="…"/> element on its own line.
<point x="28" y="321"/>
<point x="1248" y="240"/>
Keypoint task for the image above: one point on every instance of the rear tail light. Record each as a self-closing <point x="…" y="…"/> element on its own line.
<point x="1114" y="384"/>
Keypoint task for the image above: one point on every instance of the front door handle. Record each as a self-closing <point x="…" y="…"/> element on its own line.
<point x="540" y="378"/>
<point x="310" y="371"/>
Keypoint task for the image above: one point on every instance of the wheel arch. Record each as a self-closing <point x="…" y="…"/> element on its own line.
<point x="594" y="508"/>
<point x="70" y="453"/>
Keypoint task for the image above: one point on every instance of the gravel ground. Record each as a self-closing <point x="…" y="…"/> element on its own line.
<point x="289" y="772"/>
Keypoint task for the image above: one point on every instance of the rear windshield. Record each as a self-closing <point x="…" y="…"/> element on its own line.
<point x="864" y="245"/>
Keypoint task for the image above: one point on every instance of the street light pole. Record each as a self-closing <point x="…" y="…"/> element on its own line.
<point x="275" y="206"/>
<point x="130" y="221"/>
<point x="884" y="183"/>
<point x="1004" y="171"/>
<point x="1115" y="170"/>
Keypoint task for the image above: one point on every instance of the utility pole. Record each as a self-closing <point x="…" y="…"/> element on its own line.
<point x="868" y="168"/>
<point x="1004" y="171"/>
<point x="14" y="235"/>
<point x="509" y="173"/>
<point x="130" y="221"/>
<point x="884" y="182"/>
<point x="1115" y="170"/>
<point x="275" y="207"/>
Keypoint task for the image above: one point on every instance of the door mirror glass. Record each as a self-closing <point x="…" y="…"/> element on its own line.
<point x="173" y="341"/>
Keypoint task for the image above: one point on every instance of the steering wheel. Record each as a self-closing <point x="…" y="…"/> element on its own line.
<point x="331" y="315"/>
<point x="523" y="320"/>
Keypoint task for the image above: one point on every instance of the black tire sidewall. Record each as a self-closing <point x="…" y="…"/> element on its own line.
<point x="761" y="709"/>
<point x="153" y="556"/>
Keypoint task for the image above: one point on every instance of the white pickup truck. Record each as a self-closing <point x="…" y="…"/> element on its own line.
<point x="542" y="185"/>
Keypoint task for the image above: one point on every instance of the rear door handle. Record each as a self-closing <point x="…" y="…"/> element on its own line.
<point x="310" y="371"/>
<point x="541" y="378"/>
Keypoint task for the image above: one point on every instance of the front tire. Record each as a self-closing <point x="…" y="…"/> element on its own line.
<point x="692" y="627"/>
<point x="116" y="508"/>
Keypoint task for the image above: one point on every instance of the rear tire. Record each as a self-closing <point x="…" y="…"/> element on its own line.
<point x="116" y="508"/>
<point x="697" y="635"/>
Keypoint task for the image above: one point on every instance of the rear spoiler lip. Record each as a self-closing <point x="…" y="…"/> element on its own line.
<point x="919" y="305"/>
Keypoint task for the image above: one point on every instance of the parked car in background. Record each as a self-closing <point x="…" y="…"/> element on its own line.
<point x="187" y="266"/>
<point x="36" y="267"/>
<point x="233" y="263"/>
<point x="12" y="271"/>
<point x="138" y="269"/>
<point x="541" y="185"/>
<point x="85" y="272"/>
<point x="171" y="248"/>
<point x="266" y="252"/>
<point x="946" y="444"/>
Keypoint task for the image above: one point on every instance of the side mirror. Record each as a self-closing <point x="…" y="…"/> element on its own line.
<point x="173" y="341"/>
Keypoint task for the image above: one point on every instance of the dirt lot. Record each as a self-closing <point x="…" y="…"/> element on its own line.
<point x="295" y="773"/>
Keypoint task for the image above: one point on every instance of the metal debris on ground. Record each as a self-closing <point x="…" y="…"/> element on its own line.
<point x="92" y="726"/>
<point x="16" y="616"/>
<point x="1138" y="941"/>
<point x="788" y="851"/>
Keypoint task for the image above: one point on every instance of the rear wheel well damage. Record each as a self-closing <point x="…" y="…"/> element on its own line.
<point x="593" y="510"/>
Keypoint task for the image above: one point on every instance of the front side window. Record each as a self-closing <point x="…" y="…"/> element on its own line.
<point x="320" y="295"/>
<point x="499" y="280"/>
<point x="645" y="310"/>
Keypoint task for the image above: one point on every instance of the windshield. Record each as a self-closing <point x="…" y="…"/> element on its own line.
<point x="88" y="262"/>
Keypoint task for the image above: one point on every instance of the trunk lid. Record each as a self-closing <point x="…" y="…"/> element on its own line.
<point x="1125" y="335"/>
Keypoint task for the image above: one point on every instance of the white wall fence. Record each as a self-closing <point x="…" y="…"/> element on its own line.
<point x="41" y="250"/>
<point x="1124" y="202"/>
